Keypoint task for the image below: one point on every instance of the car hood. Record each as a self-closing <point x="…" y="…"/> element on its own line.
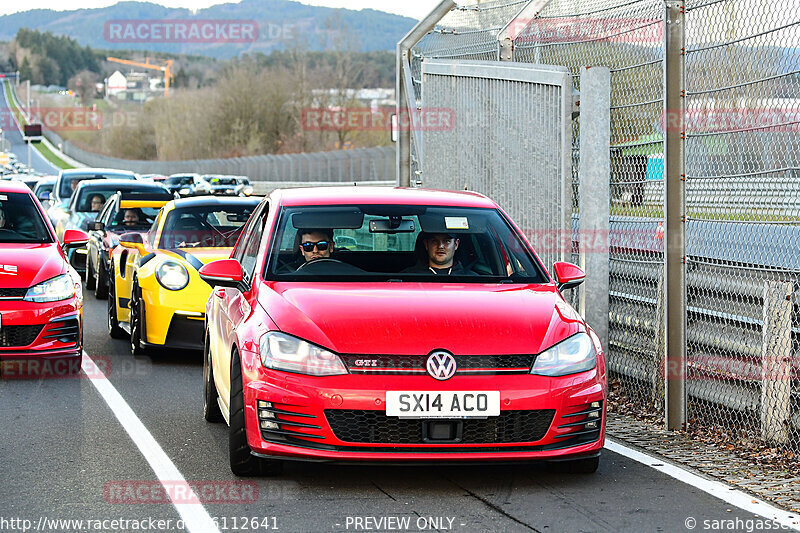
<point x="198" y="257"/>
<point x="34" y="264"/>
<point x="417" y="318"/>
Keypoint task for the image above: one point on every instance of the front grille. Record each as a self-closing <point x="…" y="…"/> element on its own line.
<point x="18" y="336"/>
<point x="376" y="427"/>
<point x="415" y="364"/>
<point x="66" y="331"/>
<point x="16" y="294"/>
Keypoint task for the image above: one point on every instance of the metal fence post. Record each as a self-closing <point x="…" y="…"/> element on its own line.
<point x="595" y="197"/>
<point x="674" y="204"/>
<point x="776" y="362"/>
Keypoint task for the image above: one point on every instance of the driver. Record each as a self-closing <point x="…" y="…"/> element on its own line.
<point x="131" y="217"/>
<point x="316" y="244"/>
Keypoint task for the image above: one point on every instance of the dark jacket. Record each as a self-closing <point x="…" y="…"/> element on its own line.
<point x="457" y="270"/>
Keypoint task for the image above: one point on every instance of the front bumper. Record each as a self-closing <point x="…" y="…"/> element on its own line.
<point x="175" y="318"/>
<point x="339" y="419"/>
<point x="32" y="333"/>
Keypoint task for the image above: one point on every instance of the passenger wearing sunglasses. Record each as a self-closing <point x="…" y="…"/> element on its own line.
<point x="316" y="244"/>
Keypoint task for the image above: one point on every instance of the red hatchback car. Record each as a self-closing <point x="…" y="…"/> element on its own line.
<point x="397" y="325"/>
<point x="41" y="301"/>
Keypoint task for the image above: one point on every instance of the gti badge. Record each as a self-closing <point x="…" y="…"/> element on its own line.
<point x="441" y="365"/>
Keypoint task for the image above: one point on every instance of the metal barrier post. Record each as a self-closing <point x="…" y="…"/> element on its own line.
<point x="776" y="362"/>
<point x="675" y="242"/>
<point x="595" y="197"/>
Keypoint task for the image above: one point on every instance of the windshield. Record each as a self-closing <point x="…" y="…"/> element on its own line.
<point x="399" y="243"/>
<point x="180" y="180"/>
<point x="70" y="182"/>
<point x="20" y="220"/>
<point x="223" y="181"/>
<point x="208" y="226"/>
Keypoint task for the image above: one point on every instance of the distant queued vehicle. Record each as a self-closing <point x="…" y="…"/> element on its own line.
<point x="68" y="181"/>
<point x="187" y="185"/>
<point x="222" y="185"/>
<point x="88" y="201"/>
<point x="44" y="187"/>
<point x="115" y="219"/>
<point x="41" y="300"/>
<point x="153" y="177"/>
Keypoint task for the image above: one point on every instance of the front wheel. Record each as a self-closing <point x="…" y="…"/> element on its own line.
<point x="243" y="463"/>
<point x="101" y="285"/>
<point x="89" y="274"/>
<point x="114" y="330"/>
<point x="137" y="329"/>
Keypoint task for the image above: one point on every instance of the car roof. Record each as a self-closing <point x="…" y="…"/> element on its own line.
<point x="14" y="186"/>
<point x="205" y="201"/>
<point x="92" y="170"/>
<point x="125" y="184"/>
<point x="380" y="195"/>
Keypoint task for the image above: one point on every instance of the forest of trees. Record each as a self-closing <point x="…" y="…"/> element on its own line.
<point x="49" y="59"/>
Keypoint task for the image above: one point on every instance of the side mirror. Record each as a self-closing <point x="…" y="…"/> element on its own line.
<point x="75" y="238"/>
<point x="222" y="273"/>
<point x="44" y="196"/>
<point x="132" y="241"/>
<point x="568" y="276"/>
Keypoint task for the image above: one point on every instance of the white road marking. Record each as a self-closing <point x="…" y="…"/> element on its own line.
<point x="717" y="489"/>
<point x="195" y="517"/>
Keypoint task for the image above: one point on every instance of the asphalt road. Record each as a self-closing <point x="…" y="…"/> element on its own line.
<point x="18" y="146"/>
<point x="64" y="455"/>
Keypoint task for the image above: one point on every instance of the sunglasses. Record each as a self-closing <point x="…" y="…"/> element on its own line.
<point x="309" y="246"/>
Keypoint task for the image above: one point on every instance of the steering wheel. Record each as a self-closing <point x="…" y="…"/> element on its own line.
<point x="318" y="261"/>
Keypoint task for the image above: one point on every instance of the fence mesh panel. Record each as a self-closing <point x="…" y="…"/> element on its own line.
<point x="742" y="127"/>
<point x="742" y="183"/>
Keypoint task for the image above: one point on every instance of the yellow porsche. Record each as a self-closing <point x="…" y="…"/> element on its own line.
<point x="155" y="293"/>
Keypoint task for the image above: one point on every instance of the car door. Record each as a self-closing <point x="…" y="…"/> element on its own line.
<point x="233" y="305"/>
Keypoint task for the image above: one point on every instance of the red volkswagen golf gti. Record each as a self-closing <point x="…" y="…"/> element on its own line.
<point x="41" y="301"/>
<point x="397" y="325"/>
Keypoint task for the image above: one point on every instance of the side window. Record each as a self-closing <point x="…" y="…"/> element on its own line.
<point x="247" y="251"/>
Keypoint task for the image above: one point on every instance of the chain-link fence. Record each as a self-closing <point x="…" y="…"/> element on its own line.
<point x="739" y="128"/>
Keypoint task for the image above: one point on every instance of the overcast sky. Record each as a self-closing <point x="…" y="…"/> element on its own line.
<point x="410" y="8"/>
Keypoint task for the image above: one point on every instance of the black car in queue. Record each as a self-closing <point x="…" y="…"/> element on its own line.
<point x="124" y="212"/>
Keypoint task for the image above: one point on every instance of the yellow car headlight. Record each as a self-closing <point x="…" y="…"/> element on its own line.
<point x="172" y="275"/>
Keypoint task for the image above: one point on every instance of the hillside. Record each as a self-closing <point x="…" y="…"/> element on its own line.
<point x="281" y="24"/>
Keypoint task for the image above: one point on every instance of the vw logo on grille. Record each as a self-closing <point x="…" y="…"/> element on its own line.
<point x="441" y="365"/>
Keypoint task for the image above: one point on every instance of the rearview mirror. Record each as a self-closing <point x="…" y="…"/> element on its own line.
<point x="75" y="238"/>
<point x="97" y="226"/>
<point x="568" y="276"/>
<point x="222" y="273"/>
<point x="132" y="241"/>
<point x="391" y="225"/>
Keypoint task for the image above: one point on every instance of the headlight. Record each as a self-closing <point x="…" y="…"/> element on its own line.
<point x="172" y="275"/>
<point x="284" y="352"/>
<point x="247" y="191"/>
<point x="185" y="191"/>
<point x="571" y="356"/>
<point x="53" y="290"/>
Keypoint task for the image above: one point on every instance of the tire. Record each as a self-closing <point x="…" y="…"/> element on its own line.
<point x="211" y="411"/>
<point x="89" y="275"/>
<point x="137" y="348"/>
<point x="101" y="285"/>
<point x="114" y="331"/>
<point x="242" y="462"/>
<point x="587" y="465"/>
